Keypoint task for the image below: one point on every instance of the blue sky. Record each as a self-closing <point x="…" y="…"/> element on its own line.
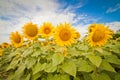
<point x="80" y="13"/>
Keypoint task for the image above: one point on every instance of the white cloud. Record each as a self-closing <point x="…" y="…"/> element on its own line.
<point x="18" y="12"/>
<point x="114" y="25"/>
<point x="113" y="9"/>
<point x="82" y="29"/>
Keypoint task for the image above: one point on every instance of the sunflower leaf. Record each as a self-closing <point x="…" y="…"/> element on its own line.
<point x="84" y="66"/>
<point x="57" y="59"/>
<point x="38" y="67"/>
<point x="96" y="60"/>
<point x="106" y="66"/>
<point x="70" y="68"/>
<point x="101" y="76"/>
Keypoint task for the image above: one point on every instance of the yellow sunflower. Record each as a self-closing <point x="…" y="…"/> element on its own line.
<point x="90" y="28"/>
<point x="0" y="51"/>
<point x="5" y="45"/>
<point x="30" y="31"/>
<point x="16" y="39"/>
<point x="0" y="46"/>
<point x="77" y="35"/>
<point x="46" y="30"/>
<point x="99" y="35"/>
<point x="118" y="39"/>
<point x="64" y="35"/>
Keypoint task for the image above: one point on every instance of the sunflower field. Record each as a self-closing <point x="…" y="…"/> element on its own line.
<point x="57" y="52"/>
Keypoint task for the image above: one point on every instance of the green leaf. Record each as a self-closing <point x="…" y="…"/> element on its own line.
<point x="57" y="59"/>
<point x="101" y="76"/>
<point x="27" y="52"/>
<point x="36" y="53"/>
<point x="28" y="77"/>
<point x="112" y="59"/>
<point x="13" y="64"/>
<point x="83" y="47"/>
<point x="75" y="78"/>
<point x="70" y="68"/>
<point x="38" y="67"/>
<point x="116" y="48"/>
<point x="10" y="76"/>
<point x="73" y="52"/>
<point x="36" y="76"/>
<point x="19" y="72"/>
<point x="51" y="77"/>
<point x="87" y="76"/>
<point x="117" y="76"/>
<point x="102" y="52"/>
<point x="106" y="66"/>
<point x="50" y="68"/>
<point x="64" y="77"/>
<point x="84" y="66"/>
<point x="60" y="77"/>
<point x="96" y="60"/>
<point x="30" y="61"/>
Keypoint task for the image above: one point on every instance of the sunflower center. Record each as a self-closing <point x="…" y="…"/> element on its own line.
<point x="47" y="30"/>
<point x="65" y="34"/>
<point x="98" y="35"/>
<point x="90" y="30"/>
<point x="17" y="39"/>
<point x="32" y="31"/>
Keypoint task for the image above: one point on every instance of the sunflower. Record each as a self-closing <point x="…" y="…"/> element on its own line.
<point x="45" y="43"/>
<point x="30" y="31"/>
<point x="77" y="35"/>
<point x="16" y="39"/>
<point x="0" y="46"/>
<point x="5" y="45"/>
<point x="64" y="35"/>
<point x="118" y="39"/>
<point x="1" y="52"/>
<point x="99" y="35"/>
<point x="90" y="28"/>
<point x="46" y="30"/>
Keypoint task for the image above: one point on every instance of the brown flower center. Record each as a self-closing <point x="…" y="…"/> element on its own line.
<point x="31" y="31"/>
<point x="17" y="38"/>
<point x="98" y="35"/>
<point x="47" y="30"/>
<point x="65" y="34"/>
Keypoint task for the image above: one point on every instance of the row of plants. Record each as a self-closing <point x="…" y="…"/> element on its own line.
<point x="58" y="53"/>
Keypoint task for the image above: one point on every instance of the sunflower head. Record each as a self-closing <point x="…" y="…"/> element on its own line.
<point x="64" y="35"/>
<point x="46" y="30"/>
<point x="118" y="39"/>
<point x="77" y="35"/>
<point x="90" y="28"/>
<point x="45" y="43"/>
<point x="16" y="39"/>
<point x="30" y="31"/>
<point x="1" y="52"/>
<point x="0" y="46"/>
<point x="5" y="45"/>
<point x="99" y="35"/>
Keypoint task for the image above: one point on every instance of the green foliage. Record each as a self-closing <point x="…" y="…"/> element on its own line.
<point x="84" y="66"/>
<point x="69" y="67"/>
<point x="82" y="62"/>
<point x="101" y="76"/>
<point x="106" y="66"/>
<point x="57" y="59"/>
<point x="96" y="60"/>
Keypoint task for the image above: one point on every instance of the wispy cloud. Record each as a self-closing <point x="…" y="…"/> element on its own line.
<point x="15" y="13"/>
<point x="114" y="8"/>
<point x="114" y="25"/>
